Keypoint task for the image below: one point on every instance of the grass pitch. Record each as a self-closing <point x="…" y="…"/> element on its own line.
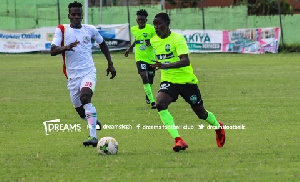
<point x="260" y="92"/>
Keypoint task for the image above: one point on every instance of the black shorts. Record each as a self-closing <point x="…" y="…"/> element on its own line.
<point x="190" y="92"/>
<point x="143" y="66"/>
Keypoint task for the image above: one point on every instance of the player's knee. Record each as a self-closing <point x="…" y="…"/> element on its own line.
<point x="85" y="99"/>
<point x="145" y="79"/>
<point x="160" y="106"/>
<point x="151" y="80"/>
<point x="202" y="115"/>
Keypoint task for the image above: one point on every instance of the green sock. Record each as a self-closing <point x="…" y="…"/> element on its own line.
<point x="211" y="119"/>
<point x="148" y="92"/>
<point x="167" y="120"/>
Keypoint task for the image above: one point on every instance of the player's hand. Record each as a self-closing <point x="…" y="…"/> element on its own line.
<point x="147" y="42"/>
<point x="126" y="53"/>
<point x="111" y="69"/>
<point x="70" y="46"/>
<point x="157" y="65"/>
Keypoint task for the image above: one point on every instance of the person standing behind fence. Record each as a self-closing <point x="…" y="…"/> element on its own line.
<point x="144" y="54"/>
<point x="73" y="41"/>
<point x="177" y="78"/>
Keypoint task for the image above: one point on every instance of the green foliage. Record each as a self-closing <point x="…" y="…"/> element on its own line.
<point x="289" y="48"/>
<point x="266" y="7"/>
<point x="258" y="91"/>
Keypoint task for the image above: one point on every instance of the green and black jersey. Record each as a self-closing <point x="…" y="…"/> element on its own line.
<point x="168" y="50"/>
<point x="142" y="51"/>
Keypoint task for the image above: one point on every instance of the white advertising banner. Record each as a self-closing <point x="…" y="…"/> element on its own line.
<point x="203" y="40"/>
<point x="23" y="40"/>
<point x="116" y="36"/>
<point x="30" y="40"/>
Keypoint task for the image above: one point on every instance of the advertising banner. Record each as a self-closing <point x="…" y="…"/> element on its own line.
<point x="252" y="41"/>
<point x="116" y="37"/>
<point x="21" y="41"/>
<point x="203" y="40"/>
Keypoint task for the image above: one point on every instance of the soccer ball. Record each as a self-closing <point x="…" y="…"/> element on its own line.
<point x="107" y="146"/>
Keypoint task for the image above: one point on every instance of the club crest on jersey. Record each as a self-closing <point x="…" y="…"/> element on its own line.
<point x="145" y="35"/>
<point x="168" y="47"/>
<point x="86" y="39"/>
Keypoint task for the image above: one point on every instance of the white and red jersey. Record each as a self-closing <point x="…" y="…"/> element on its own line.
<point x="80" y="62"/>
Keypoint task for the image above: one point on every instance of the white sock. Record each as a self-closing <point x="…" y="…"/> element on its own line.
<point x="91" y="116"/>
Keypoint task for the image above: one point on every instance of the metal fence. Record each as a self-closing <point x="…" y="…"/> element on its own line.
<point x="27" y="14"/>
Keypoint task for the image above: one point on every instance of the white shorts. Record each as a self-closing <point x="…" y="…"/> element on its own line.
<point x="76" y="84"/>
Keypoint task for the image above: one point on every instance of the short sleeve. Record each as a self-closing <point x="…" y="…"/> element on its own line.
<point x="57" y="37"/>
<point x="181" y="47"/>
<point x="96" y="35"/>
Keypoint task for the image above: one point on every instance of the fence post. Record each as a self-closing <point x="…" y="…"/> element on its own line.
<point x="58" y="12"/>
<point x="281" y="30"/>
<point x="101" y="5"/>
<point x="128" y="16"/>
<point x="86" y="11"/>
<point x="163" y="4"/>
<point x="203" y="20"/>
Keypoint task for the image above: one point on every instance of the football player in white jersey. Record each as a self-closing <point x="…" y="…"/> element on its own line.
<point x="73" y="42"/>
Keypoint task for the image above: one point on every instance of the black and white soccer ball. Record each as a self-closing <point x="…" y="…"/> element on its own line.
<point x="107" y="146"/>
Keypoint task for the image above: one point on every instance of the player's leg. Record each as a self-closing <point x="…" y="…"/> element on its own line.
<point x="165" y="96"/>
<point x="191" y="94"/>
<point x="86" y="92"/>
<point x="142" y="70"/>
<point x="151" y="74"/>
<point x="148" y="88"/>
<point x="211" y="119"/>
<point x="74" y="89"/>
<point x="81" y="112"/>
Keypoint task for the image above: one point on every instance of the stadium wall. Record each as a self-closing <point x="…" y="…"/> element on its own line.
<point x="27" y="14"/>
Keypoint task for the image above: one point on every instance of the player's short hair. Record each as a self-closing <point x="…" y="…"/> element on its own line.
<point x="75" y="4"/>
<point x="142" y="12"/>
<point x="163" y="16"/>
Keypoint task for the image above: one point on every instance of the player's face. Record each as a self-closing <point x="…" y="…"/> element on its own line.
<point x="75" y="16"/>
<point x="161" y="27"/>
<point x="141" y="20"/>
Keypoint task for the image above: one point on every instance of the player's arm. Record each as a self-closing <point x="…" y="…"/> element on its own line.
<point x="110" y="67"/>
<point x="128" y="50"/>
<point x="184" y="61"/>
<point x="55" y="50"/>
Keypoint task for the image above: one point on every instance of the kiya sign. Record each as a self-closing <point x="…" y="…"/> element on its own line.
<point x="55" y="126"/>
<point x="203" y="41"/>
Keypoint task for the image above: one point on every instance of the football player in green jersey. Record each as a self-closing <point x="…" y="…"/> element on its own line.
<point x="144" y="54"/>
<point x="177" y="78"/>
